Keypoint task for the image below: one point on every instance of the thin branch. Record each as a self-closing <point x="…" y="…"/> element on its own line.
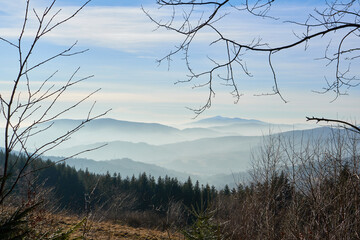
<point x="335" y="18"/>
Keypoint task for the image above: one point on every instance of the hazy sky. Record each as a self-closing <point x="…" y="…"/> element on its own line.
<point x="124" y="48"/>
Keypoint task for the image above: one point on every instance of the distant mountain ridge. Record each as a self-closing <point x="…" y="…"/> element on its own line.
<point x="206" y="156"/>
<point x="196" y="149"/>
<point x="109" y="130"/>
<point x="127" y="168"/>
<point x="216" y="146"/>
<point x="232" y="152"/>
<point x="225" y="120"/>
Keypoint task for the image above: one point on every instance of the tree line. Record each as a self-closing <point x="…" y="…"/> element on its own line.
<point x="80" y="190"/>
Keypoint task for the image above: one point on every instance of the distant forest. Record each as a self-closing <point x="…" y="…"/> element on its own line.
<point x="80" y="191"/>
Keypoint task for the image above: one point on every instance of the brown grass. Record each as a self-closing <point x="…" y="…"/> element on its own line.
<point x="108" y="230"/>
<point x="46" y="224"/>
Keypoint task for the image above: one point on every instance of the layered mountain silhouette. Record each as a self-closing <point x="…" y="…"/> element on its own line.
<point x="217" y="146"/>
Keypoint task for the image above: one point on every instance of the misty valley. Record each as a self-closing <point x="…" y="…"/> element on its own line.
<point x="215" y="151"/>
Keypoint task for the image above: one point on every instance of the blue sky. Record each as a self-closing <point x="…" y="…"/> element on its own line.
<point x="123" y="52"/>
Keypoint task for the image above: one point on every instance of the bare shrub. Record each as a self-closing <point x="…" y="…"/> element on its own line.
<point x="300" y="188"/>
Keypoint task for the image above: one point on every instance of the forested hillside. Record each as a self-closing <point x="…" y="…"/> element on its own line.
<point x="119" y="197"/>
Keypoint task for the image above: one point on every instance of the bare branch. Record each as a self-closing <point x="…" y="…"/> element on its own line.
<point x="339" y="18"/>
<point x="345" y="123"/>
<point x="37" y="104"/>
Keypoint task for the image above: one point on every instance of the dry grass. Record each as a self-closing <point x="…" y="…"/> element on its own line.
<point x="45" y="224"/>
<point x="107" y="230"/>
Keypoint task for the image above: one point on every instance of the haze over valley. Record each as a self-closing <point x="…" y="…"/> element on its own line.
<point x="213" y="150"/>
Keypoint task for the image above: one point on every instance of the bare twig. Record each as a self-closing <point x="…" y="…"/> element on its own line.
<point x="37" y="105"/>
<point x="340" y="18"/>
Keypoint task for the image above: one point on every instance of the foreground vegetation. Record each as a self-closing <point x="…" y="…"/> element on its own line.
<point x="47" y="225"/>
<point x="299" y="189"/>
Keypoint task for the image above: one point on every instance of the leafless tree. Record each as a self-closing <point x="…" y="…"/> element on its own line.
<point x="28" y="110"/>
<point x="192" y="18"/>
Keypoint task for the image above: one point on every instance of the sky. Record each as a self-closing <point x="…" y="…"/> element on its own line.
<point x="124" y="46"/>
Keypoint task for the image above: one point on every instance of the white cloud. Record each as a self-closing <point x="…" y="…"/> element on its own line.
<point x="129" y="29"/>
<point x="122" y="28"/>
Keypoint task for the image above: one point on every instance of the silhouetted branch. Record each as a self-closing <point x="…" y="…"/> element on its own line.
<point x="29" y="112"/>
<point x="339" y="18"/>
<point x="353" y="127"/>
